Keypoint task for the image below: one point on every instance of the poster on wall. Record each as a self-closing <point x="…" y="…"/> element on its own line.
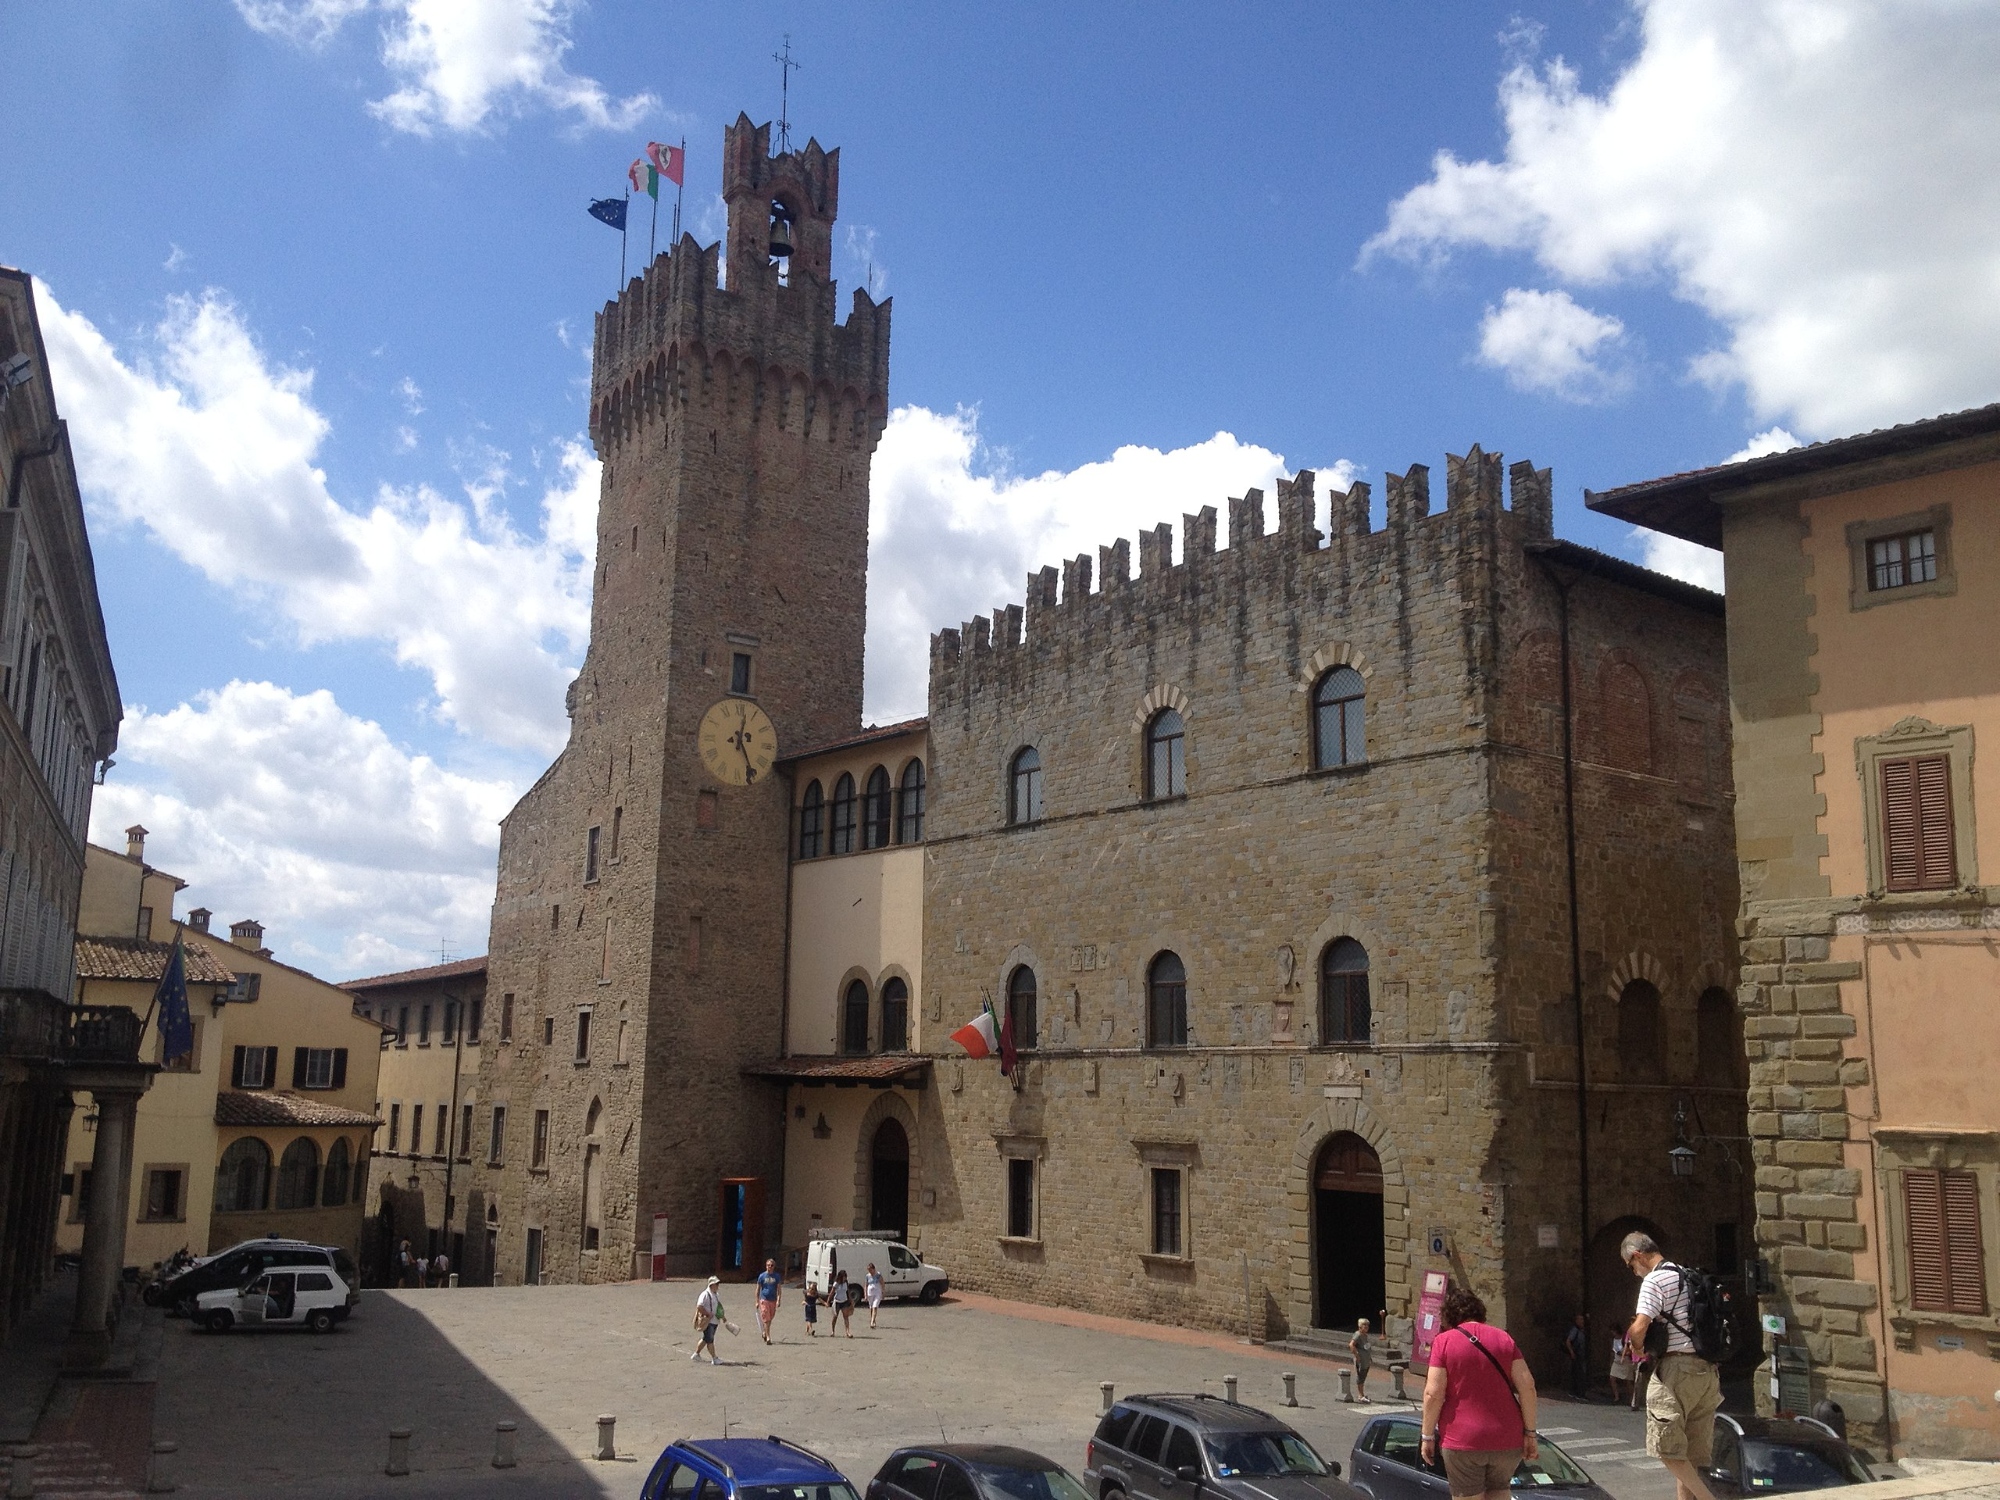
<point x="1430" y="1313"/>
<point x="659" y="1247"/>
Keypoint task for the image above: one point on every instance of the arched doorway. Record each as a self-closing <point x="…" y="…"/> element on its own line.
<point x="1348" y="1278"/>
<point x="1614" y="1290"/>
<point x="889" y="1181"/>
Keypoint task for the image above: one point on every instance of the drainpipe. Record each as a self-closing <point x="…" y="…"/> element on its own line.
<point x="1575" y="943"/>
<point x="451" y="1141"/>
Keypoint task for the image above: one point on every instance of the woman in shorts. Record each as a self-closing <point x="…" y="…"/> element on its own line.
<point x="843" y="1304"/>
<point x="873" y="1286"/>
<point x="1479" y="1403"/>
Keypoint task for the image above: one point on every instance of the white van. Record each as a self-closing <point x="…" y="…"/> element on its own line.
<point x="903" y="1275"/>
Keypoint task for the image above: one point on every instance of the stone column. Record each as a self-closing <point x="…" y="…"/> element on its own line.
<point x="104" y="1227"/>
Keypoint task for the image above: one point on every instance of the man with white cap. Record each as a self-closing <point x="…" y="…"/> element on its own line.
<point x="707" y="1314"/>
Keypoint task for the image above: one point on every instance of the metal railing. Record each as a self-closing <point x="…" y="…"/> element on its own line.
<point x="101" y="1033"/>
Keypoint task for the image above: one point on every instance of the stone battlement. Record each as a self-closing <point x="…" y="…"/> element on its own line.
<point x="1062" y="608"/>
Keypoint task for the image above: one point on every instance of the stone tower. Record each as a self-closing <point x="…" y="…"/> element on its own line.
<point x="637" y="950"/>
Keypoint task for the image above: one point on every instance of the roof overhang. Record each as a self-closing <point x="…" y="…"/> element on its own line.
<point x="881" y="1071"/>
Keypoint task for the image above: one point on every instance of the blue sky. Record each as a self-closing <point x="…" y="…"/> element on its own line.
<point x="318" y="285"/>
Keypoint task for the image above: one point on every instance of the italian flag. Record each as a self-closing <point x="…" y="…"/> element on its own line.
<point x="645" y="178"/>
<point x="980" y="1037"/>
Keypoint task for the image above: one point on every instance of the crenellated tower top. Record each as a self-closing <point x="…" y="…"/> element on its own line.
<point x="798" y="189"/>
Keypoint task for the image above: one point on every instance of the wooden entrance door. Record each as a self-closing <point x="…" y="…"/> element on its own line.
<point x="1348" y="1278"/>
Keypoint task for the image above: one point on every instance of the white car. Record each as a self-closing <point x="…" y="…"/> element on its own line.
<point x="903" y="1274"/>
<point x="303" y="1297"/>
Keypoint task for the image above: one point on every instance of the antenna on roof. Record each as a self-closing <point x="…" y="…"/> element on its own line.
<point x="785" y="65"/>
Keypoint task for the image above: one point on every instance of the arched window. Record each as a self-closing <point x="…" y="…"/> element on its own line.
<point x="1642" y="1052"/>
<point x="842" y="841"/>
<point x="812" y="823"/>
<point x="1024" y="797"/>
<point x="1338" y="700"/>
<point x="1021" y="1007"/>
<point x="243" y="1176"/>
<point x="1166" y="1002"/>
<point x="1166" y="755"/>
<point x="592" y="1115"/>
<point x="1343" y="992"/>
<point x="1628" y="717"/>
<point x="854" y="1019"/>
<point x="298" y="1175"/>
<point x="895" y="1015"/>
<point x="910" y="805"/>
<point x="1718" y="1039"/>
<point x="333" y="1182"/>
<point x="875" y="811"/>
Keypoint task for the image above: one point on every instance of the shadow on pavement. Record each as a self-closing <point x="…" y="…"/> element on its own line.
<point x="285" y="1413"/>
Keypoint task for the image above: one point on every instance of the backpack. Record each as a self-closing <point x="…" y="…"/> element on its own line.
<point x="1711" y="1318"/>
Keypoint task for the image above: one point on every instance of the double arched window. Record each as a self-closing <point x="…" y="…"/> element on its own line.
<point x="1024" y="790"/>
<point x="1021" y="1008"/>
<point x="1338" y="701"/>
<point x="1166" y="1002"/>
<point x="895" y="1015"/>
<point x="298" y="1175"/>
<point x="910" y="805"/>
<point x="1166" y="755"/>
<point x="876" y="812"/>
<point x="812" y="823"/>
<point x="1343" y="992"/>
<point x="854" y="1019"/>
<point x="243" y="1177"/>
<point x="842" y="841"/>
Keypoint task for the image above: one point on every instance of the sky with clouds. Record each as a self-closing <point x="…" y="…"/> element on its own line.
<point x="318" y="287"/>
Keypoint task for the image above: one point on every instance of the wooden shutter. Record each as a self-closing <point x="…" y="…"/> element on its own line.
<point x="236" y="1068"/>
<point x="298" y="1067"/>
<point x="1917" y="848"/>
<point x="1923" y="1224"/>
<point x="1964" y="1256"/>
<point x="270" y="1067"/>
<point x="340" y="1067"/>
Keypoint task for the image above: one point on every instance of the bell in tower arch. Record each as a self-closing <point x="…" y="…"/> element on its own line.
<point x="781" y="233"/>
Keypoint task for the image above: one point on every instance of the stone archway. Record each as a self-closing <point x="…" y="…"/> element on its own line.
<point x="889" y="1180"/>
<point x="1332" y="1118"/>
<point x="1348" y="1282"/>
<point x="890" y="1106"/>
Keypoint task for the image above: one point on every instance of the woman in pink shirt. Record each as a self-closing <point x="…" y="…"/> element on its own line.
<point x="1479" y="1402"/>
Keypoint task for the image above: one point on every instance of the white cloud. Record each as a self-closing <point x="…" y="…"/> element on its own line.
<point x="411" y="396"/>
<point x="1546" y="344"/>
<point x="356" y="855"/>
<point x="458" y="63"/>
<point x="1770" y="440"/>
<point x="176" y="257"/>
<point x="1822" y="177"/>
<point x="952" y="533"/>
<point x="211" y="449"/>
<point x="1687" y="561"/>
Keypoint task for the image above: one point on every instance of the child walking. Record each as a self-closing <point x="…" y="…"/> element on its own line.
<point x="812" y="1309"/>
<point x="843" y="1303"/>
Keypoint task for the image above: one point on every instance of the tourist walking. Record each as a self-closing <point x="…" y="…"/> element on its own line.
<point x="843" y="1303"/>
<point x="1621" y="1369"/>
<point x="1479" y="1402"/>
<point x="441" y="1270"/>
<point x="812" y="1310"/>
<point x="1576" y="1343"/>
<point x="406" y="1267"/>
<point x="1362" y="1347"/>
<point x="708" y="1316"/>
<point x="1686" y="1391"/>
<point x="770" y="1291"/>
<point x="873" y="1287"/>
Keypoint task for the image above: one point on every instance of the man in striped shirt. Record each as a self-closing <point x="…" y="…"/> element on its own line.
<point x="1686" y="1392"/>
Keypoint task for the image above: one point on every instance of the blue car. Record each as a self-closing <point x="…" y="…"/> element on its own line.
<point x="766" y="1468"/>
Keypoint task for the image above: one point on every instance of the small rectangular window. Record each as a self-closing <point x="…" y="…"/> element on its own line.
<point x="1896" y="562"/>
<point x="496" y="1143"/>
<point x="507" y="1016"/>
<point x="1166" y="1211"/>
<point x="163" y="1193"/>
<point x="475" y="1017"/>
<point x="617" y="830"/>
<point x="604" y="956"/>
<point x="739" y="672"/>
<point x="191" y="1063"/>
<point x="464" y="1152"/>
<point x="1917" y="838"/>
<point x="423" y="1026"/>
<point x="395" y="1127"/>
<point x="540" y="1154"/>
<point x="143" y="929"/>
<point x="1020" y="1198"/>
<point x="583" y="1035"/>
<point x="254" y="1068"/>
<point x="416" y="1130"/>
<point x="548" y="1031"/>
<point x="438" y="1140"/>
<point x="1947" y="1253"/>
<point x="555" y="917"/>
<point x="450" y="1033"/>
<point x="314" y="1068"/>
<point x="590" y="855"/>
<point x="402" y="1026"/>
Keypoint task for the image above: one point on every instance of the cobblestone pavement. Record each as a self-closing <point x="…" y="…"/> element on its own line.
<point x="303" y="1417"/>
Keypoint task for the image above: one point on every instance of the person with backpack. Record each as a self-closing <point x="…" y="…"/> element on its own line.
<point x="1479" y="1403"/>
<point x="1684" y="1325"/>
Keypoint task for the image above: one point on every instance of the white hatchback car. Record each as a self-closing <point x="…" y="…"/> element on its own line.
<point x="302" y="1297"/>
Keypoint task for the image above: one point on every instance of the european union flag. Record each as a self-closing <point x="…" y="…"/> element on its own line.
<point x="171" y="999"/>
<point x="609" y="211"/>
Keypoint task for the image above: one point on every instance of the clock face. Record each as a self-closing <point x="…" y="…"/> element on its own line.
<point x="738" y="742"/>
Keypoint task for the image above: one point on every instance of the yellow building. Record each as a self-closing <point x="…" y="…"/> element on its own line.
<point x="267" y="1128"/>
<point x="1864" y="583"/>
<point x="855" y="1021"/>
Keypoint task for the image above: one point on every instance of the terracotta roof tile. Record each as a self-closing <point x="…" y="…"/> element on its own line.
<point x="866" y="737"/>
<point x="135" y="958"/>
<point x="452" y="970"/>
<point x="235" y="1107"/>
<point x="884" y="1067"/>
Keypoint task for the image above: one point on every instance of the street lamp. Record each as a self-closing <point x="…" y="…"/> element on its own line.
<point x="1681" y="1157"/>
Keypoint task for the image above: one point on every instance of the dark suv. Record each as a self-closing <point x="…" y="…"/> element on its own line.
<point x="1172" y="1447"/>
<point x="242" y="1264"/>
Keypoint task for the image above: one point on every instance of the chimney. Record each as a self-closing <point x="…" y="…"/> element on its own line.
<point x="247" y="934"/>
<point x="135" y="843"/>
<point x="198" y="918"/>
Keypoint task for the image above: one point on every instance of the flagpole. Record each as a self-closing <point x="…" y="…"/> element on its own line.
<point x="148" y="1016"/>
<point x="622" y="223"/>
<point x="680" y="188"/>
<point x="653" y="234"/>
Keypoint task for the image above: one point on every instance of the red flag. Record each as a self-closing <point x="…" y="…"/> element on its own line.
<point x="669" y="161"/>
<point x="1010" y="1058"/>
